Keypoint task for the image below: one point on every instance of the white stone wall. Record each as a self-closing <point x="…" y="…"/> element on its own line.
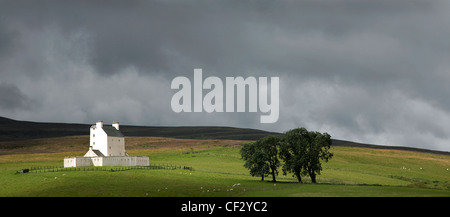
<point x="97" y="161"/>
<point x="142" y="161"/>
<point x="125" y="161"/>
<point x="116" y="146"/>
<point x="99" y="140"/>
<point x="78" y="162"/>
<point x="106" y="161"/>
<point x="69" y="162"/>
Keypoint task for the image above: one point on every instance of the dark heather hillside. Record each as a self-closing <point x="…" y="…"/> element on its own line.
<point x="11" y="130"/>
<point x="19" y="130"/>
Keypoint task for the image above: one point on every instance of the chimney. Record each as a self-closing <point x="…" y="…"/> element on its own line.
<point x="115" y="125"/>
<point x="99" y="124"/>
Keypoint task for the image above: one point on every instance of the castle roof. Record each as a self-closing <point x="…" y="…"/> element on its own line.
<point x="112" y="131"/>
<point x="93" y="153"/>
<point x="98" y="153"/>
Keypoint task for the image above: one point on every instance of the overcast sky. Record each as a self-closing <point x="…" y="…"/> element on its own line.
<point x="367" y="71"/>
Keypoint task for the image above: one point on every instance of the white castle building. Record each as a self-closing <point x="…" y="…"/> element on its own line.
<point x="106" y="148"/>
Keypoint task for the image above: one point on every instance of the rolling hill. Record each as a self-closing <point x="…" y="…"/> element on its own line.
<point x="17" y="130"/>
<point x="14" y="130"/>
<point x="213" y="153"/>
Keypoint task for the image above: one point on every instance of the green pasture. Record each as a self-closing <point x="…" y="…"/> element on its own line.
<point x="218" y="171"/>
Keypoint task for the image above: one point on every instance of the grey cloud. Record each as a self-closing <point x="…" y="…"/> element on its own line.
<point x="372" y="71"/>
<point x="154" y="35"/>
<point x="12" y="98"/>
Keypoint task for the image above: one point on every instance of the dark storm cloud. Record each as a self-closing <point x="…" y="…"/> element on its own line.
<point x="371" y="71"/>
<point x="11" y="98"/>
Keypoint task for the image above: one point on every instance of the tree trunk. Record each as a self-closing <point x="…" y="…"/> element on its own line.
<point x="313" y="177"/>
<point x="273" y="176"/>
<point x="262" y="178"/>
<point x="299" y="178"/>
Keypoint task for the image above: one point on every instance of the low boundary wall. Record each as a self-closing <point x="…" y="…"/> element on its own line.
<point x="106" y="161"/>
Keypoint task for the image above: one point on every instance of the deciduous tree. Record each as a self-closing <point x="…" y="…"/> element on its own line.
<point x="261" y="157"/>
<point x="254" y="160"/>
<point x="302" y="152"/>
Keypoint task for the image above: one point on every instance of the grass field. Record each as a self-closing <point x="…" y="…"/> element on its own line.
<point x="219" y="172"/>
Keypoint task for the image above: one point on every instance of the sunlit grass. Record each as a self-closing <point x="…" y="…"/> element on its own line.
<point x="218" y="171"/>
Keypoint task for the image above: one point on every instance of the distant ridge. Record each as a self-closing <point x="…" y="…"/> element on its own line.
<point x="11" y="130"/>
<point x="18" y="130"/>
<point x="343" y="143"/>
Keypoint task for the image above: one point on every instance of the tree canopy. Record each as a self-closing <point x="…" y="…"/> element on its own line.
<point x="261" y="157"/>
<point x="302" y="152"/>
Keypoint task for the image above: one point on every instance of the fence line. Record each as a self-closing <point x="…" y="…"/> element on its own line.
<point x="44" y="169"/>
